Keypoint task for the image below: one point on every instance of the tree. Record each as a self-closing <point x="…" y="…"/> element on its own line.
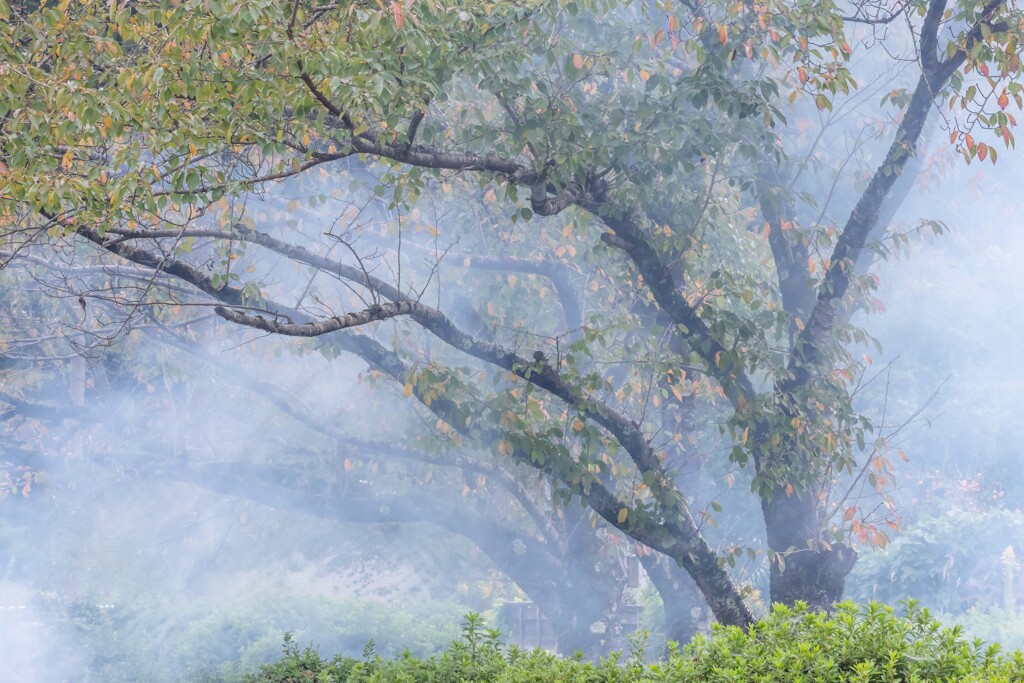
<point x="309" y="466"/>
<point x="644" y="140"/>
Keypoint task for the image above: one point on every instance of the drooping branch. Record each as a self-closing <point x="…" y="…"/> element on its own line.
<point x="540" y="373"/>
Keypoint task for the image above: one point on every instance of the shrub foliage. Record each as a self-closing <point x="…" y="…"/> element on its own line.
<point x="868" y="644"/>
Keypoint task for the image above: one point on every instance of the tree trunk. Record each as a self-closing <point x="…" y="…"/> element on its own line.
<point x="591" y="590"/>
<point x="679" y="595"/>
<point x="806" y="568"/>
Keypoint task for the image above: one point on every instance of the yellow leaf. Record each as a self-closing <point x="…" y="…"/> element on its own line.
<point x="407" y="390"/>
<point x="645" y="75"/>
<point x="623" y="513"/>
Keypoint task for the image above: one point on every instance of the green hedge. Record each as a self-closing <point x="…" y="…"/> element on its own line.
<point x="869" y="644"/>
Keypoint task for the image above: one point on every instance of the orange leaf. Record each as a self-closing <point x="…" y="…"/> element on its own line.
<point x="850" y="512"/>
<point x="1003" y="100"/>
<point x="577" y="61"/>
<point x="723" y="34"/>
<point x="969" y="141"/>
<point x="983" y="69"/>
<point x="801" y="73"/>
<point x="982" y="151"/>
<point x="396" y="9"/>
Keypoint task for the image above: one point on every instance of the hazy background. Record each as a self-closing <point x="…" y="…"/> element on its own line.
<point x="132" y="558"/>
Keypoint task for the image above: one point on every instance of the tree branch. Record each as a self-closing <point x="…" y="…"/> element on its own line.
<point x="627" y="236"/>
<point x="316" y="329"/>
<point x="677" y="535"/>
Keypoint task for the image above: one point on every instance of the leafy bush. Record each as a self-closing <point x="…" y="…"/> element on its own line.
<point x="864" y="644"/>
<point x="954" y="559"/>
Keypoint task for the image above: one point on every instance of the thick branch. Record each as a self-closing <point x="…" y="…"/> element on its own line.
<point x="628" y="237"/>
<point x="930" y="36"/>
<point x="789" y="252"/>
<point x="945" y="69"/>
<point x="541" y="374"/>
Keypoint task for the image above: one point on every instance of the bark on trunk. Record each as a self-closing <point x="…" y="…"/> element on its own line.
<point x="809" y="569"/>
<point x="679" y="595"/>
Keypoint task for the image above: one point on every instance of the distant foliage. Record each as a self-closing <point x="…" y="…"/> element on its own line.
<point x="954" y="560"/>
<point x="857" y="643"/>
<point x="227" y="641"/>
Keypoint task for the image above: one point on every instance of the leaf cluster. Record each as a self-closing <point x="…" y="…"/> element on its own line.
<point x="868" y="643"/>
